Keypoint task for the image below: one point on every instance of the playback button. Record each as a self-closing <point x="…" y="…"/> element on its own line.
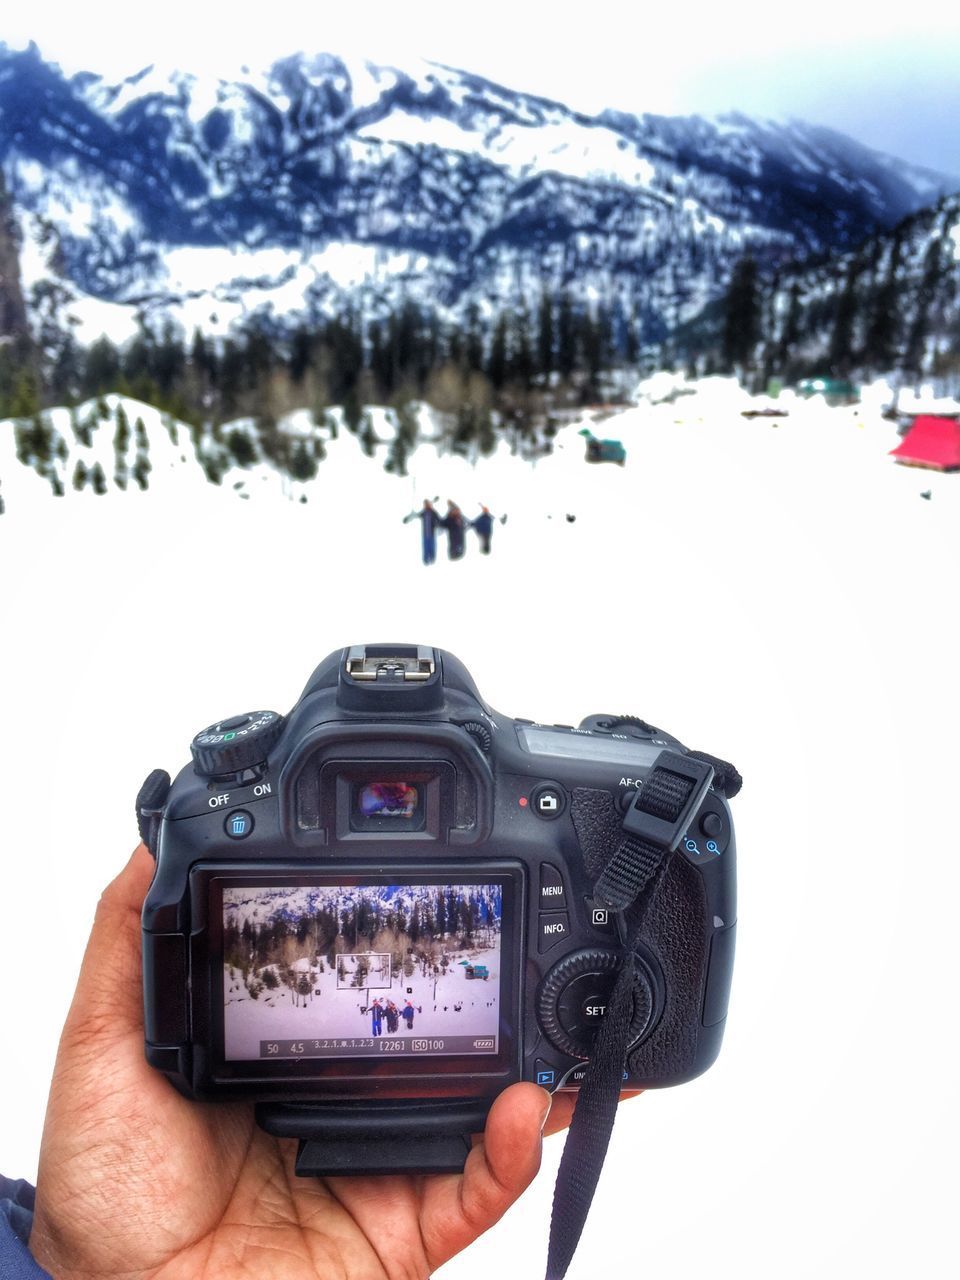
<point x="546" y="1074"/>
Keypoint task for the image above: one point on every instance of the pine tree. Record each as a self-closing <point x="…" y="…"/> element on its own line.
<point x="741" y="315"/>
<point x="521" y="356"/>
<point x="368" y="437"/>
<point x="883" y="326"/>
<point x="101" y="368"/>
<point x="303" y="462"/>
<point x="121" y="442"/>
<point x="497" y="364"/>
<point x="98" y="479"/>
<point x="840" y="354"/>
<point x="83" y="429"/>
<point x="920" y="325"/>
<point x="141" y="464"/>
<point x="169" y="360"/>
<point x="594" y="344"/>
<point x="301" y="355"/>
<point x="790" y="333"/>
<point x="242" y="448"/>
<point x="80" y="476"/>
<point x="473" y="346"/>
<point x="352" y="411"/>
<point x="25" y="400"/>
<point x="404" y="440"/>
<point x="545" y="336"/>
<point x="566" y="338"/>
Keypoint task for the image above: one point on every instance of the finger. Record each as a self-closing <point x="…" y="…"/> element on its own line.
<point x="562" y="1105"/>
<point x="109" y="1000"/>
<point x="458" y="1208"/>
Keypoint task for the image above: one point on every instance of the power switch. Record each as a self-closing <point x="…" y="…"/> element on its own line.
<point x="552" y="895"/>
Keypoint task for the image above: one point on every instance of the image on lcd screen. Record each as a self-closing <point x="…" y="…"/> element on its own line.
<point x="330" y="971"/>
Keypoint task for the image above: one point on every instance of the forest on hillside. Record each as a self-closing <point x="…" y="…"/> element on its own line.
<point x="421" y="935"/>
<point x="890" y="306"/>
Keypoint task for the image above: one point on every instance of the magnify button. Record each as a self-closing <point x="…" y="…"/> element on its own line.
<point x="712" y="846"/>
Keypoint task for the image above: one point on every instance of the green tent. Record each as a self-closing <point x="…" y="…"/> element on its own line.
<point x="834" y="390"/>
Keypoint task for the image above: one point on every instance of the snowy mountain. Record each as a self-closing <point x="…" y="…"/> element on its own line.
<point x="892" y="303"/>
<point x="322" y="182"/>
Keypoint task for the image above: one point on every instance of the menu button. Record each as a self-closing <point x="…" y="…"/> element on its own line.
<point x="552" y="895"/>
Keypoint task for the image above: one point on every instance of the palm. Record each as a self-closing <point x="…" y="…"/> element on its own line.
<point x="137" y="1181"/>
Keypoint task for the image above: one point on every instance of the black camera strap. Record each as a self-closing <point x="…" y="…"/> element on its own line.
<point x="653" y="826"/>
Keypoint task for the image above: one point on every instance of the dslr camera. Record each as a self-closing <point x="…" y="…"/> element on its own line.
<point x="373" y="914"/>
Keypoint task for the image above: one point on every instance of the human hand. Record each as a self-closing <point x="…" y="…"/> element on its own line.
<point x="139" y="1183"/>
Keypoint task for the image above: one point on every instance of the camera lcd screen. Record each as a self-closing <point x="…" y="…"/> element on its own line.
<point x="585" y="745"/>
<point x="388" y="971"/>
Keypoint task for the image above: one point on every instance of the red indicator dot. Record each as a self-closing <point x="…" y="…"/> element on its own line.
<point x="523" y="802"/>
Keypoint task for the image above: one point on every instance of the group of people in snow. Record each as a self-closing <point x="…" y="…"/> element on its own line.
<point x="387" y="1012"/>
<point x="454" y="524"/>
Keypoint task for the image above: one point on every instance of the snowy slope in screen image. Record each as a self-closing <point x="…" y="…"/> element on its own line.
<point x="312" y="965"/>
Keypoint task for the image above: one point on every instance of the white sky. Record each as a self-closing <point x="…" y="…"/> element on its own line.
<point x="886" y="76"/>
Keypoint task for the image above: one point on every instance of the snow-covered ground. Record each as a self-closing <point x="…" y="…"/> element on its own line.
<point x="447" y="1005"/>
<point x="776" y="591"/>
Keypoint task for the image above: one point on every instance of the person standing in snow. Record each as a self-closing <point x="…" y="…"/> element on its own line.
<point x="455" y="526"/>
<point x="376" y="1015"/>
<point x="393" y="1017"/>
<point x="430" y="519"/>
<point x="407" y="1014"/>
<point x="483" y="527"/>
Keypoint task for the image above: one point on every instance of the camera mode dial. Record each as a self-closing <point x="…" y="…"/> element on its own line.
<point x="573" y="999"/>
<point x="235" y="744"/>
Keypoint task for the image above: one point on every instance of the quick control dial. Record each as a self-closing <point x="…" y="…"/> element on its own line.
<point x="235" y="744"/>
<point x="572" y="1001"/>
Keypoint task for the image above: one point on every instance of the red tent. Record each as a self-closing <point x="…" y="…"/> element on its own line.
<point x="931" y="442"/>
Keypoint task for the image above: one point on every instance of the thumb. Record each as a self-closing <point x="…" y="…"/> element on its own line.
<point x="499" y="1169"/>
<point x="108" y="1001"/>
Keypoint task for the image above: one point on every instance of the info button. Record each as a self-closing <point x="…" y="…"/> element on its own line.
<point x="554" y="928"/>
